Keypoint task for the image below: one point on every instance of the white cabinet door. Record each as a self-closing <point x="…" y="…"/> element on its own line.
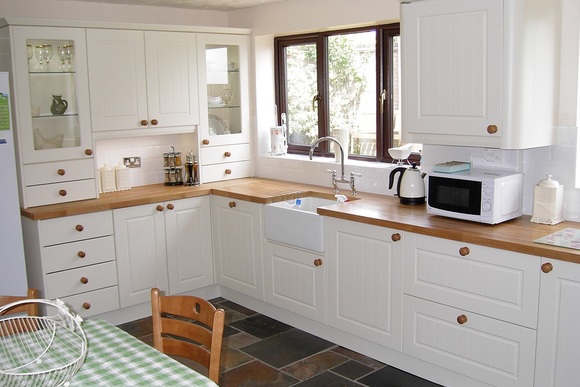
<point x="237" y="237"/>
<point x="189" y="247"/>
<point x="559" y="318"/>
<point x="364" y="268"/>
<point x="294" y="280"/>
<point x="141" y="255"/>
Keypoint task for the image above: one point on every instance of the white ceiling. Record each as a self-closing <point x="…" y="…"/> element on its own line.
<point x="216" y="5"/>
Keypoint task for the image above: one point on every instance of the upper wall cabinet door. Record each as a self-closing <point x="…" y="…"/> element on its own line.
<point x="143" y="80"/>
<point x="478" y="73"/>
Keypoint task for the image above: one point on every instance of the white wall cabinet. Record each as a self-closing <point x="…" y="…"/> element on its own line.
<point x="294" y="279"/>
<point x="480" y="73"/>
<point x="143" y="80"/>
<point x="559" y="317"/>
<point x="471" y="309"/>
<point x="364" y="268"/>
<point x="237" y="236"/>
<point x="165" y="245"/>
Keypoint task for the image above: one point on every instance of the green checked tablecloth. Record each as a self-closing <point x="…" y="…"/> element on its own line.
<point x="115" y="358"/>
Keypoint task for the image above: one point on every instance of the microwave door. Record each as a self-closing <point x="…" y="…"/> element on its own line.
<point x="455" y="195"/>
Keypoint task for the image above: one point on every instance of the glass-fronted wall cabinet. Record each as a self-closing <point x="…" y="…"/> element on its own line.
<point x="52" y="119"/>
<point x="224" y="101"/>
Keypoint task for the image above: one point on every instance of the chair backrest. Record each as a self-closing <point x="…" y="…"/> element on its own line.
<point x="30" y="309"/>
<point x="179" y="320"/>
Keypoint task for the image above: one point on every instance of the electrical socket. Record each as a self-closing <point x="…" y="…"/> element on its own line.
<point x="492" y="155"/>
<point x="132" y="162"/>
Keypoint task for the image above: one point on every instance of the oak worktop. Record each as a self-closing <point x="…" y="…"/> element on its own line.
<point x="516" y="235"/>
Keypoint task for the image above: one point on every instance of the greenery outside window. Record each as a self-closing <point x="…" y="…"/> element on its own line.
<point x="341" y="83"/>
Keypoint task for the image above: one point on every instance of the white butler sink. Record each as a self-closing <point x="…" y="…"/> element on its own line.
<point x="302" y="228"/>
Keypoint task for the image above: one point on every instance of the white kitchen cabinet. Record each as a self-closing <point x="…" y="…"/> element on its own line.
<point x="224" y="105"/>
<point x="294" y="279"/>
<point x="55" y="156"/>
<point x="237" y="236"/>
<point x="73" y="258"/>
<point x="364" y="269"/>
<point x="471" y="309"/>
<point x="164" y="245"/>
<point x="480" y="73"/>
<point x="142" y="80"/>
<point x="559" y="317"/>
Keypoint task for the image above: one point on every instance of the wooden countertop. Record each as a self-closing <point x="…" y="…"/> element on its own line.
<point x="516" y="235"/>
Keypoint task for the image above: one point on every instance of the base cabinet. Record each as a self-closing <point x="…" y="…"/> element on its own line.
<point x="559" y="318"/>
<point x="237" y="236"/>
<point x="364" y="268"/>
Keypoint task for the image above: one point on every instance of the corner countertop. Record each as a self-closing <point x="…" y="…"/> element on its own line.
<point x="516" y="235"/>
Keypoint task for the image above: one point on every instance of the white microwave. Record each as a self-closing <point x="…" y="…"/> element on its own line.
<point x="481" y="196"/>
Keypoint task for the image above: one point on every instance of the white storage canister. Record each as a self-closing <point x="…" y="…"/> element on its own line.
<point x="122" y="177"/>
<point x="548" y="201"/>
<point x="107" y="179"/>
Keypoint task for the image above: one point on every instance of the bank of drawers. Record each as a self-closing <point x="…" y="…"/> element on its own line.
<point x="79" y="263"/>
<point x="225" y="162"/>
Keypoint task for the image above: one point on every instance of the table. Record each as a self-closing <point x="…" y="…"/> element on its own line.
<point x="115" y="358"/>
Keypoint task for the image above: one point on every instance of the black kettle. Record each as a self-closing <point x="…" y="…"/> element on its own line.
<point x="410" y="186"/>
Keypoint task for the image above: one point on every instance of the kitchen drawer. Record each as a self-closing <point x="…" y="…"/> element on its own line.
<point x="219" y="172"/>
<point x="225" y="154"/>
<point x="40" y="195"/>
<point x="95" y="302"/>
<point x="488" y="281"/>
<point x="482" y="348"/>
<point x="77" y="254"/>
<point x="59" y="171"/>
<point x="69" y="282"/>
<point x="75" y="228"/>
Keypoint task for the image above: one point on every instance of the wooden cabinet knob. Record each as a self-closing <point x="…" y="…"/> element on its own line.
<point x="86" y="305"/>
<point x="81" y="254"/>
<point x="205" y="141"/>
<point x="464" y="251"/>
<point x="396" y="237"/>
<point x="227" y="154"/>
<point x="61" y="172"/>
<point x="170" y="206"/>
<point x="79" y="227"/>
<point x="492" y="129"/>
<point x="84" y="280"/>
<point x="159" y="208"/>
<point x="88" y="152"/>
<point x="317" y="262"/>
<point x="462" y="319"/>
<point x="228" y="171"/>
<point x="144" y="122"/>
<point x="154" y="122"/>
<point x="547" y="267"/>
<point x="62" y="192"/>
<point x="232" y="204"/>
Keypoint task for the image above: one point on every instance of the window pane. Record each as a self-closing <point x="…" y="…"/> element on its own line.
<point x="301" y="86"/>
<point x="352" y="91"/>
<point x="396" y="91"/>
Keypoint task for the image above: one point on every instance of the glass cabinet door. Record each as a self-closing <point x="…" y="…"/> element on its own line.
<point x="52" y="91"/>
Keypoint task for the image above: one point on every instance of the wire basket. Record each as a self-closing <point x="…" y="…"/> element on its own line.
<point x="41" y="351"/>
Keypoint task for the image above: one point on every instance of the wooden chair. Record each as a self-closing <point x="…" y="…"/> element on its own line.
<point x="190" y="327"/>
<point x="29" y="309"/>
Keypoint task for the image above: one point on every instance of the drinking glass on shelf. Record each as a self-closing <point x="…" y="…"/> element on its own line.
<point x="29" y="52"/>
<point x="69" y="54"/>
<point x="39" y="54"/>
<point x="47" y="54"/>
<point x="62" y="55"/>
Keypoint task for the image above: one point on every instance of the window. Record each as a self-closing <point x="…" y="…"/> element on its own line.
<point x="345" y="84"/>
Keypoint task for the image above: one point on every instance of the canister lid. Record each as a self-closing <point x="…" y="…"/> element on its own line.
<point x="548" y="182"/>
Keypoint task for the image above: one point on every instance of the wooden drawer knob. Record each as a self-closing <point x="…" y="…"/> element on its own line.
<point x="492" y="129"/>
<point x="170" y="206"/>
<point x="61" y="172"/>
<point x="232" y="204"/>
<point x="317" y="262"/>
<point x="81" y="254"/>
<point x="86" y="305"/>
<point x="84" y="280"/>
<point x="154" y="122"/>
<point x="62" y="192"/>
<point x="144" y="122"/>
<point x="547" y="267"/>
<point x="462" y="319"/>
<point x="396" y="237"/>
<point x="227" y="154"/>
<point x="205" y="142"/>
<point x="464" y="251"/>
<point x="88" y="152"/>
<point x="159" y="208"/>
<point x="228" y="171"/>
<point x="79" y="227"/>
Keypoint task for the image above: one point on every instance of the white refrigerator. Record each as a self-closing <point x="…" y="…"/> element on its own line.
<point x="12" y="266"/>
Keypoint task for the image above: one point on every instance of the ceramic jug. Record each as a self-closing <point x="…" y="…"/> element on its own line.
<point x="58" y="106"/>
